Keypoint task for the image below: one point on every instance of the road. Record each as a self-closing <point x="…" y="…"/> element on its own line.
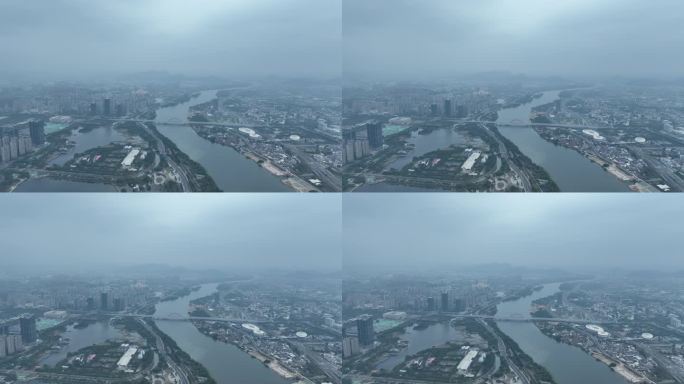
<point x="187" y="318"/>
<point x="324" y="365"/>
<point x="540" y="125"/>
<point x="503" y="353"/>
<point x="62" y="377"/>
<point x="161" y="348"/>
<point x="185" y="123"/>
<point x="161" y="149"/>
<point x="673" y="369"/>
<point x="321" y="171"/>
<point x="503" y="150"/>
<point x="673" y="180"/>
<point x="531" y="319"/>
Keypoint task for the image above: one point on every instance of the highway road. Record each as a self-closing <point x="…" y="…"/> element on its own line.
<point x="321" y="171"/>
<point x="503" y="150"/>
<point x="161" y="349"/>
<point x="161" y="149"/>
<point x="503" y="353"/>
<point x="327" y="367"/>
<point x="531" y="319"/>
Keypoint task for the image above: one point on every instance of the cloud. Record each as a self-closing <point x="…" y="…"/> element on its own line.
<point x="223" y="231"/>
<point x="554" y="230"/>
<point x="231" y="38"/>
<point x="410" y="38"/>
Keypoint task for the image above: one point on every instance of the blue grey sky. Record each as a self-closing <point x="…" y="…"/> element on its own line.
<point x="74" y="39"/>
<point x="199" y="231"/>
<point x="418" y="38"/>
<point x="575" y="231"/>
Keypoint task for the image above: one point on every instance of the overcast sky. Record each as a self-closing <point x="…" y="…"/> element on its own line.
<point x="428" y="231"/>
<point x="408" y="38"/>
<point x="200" y="231"/>
<point x="231" y="38"/>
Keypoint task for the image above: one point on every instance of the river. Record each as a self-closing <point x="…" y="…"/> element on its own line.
<point x="79" y="338"/>
<point x="567" y="364"/>
<point x="226" y="363"/>
<point x="571" y="171"/>
<point x="420" y="340"/>
<point x="231" y="171"/>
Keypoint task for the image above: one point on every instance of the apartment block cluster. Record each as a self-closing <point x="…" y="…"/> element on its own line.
<point x="15" y="334"/>
<point x="356" y="334"/>
<point x="76" y="100"/>
<point x="106" y="303"/>
<point x="361" y="139"/>
<point x="20" y="140"/>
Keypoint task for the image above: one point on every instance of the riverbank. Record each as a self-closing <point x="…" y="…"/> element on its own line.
<point x="287" y="178"/>
<point x="225" y="362"/>
<point x="618" y="367"/>
<point x="638" y="186"/>
<point x="566" y="363"/>
<point x="274" y="365"/>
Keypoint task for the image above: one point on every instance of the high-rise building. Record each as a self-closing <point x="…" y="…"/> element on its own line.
<point x="430" y="303"/>
<point x="461" y="111"/>
<point x="37" y="132"/>
<point x="445" y="302"/>
<point x="364" y="325"/>
<point x="350" y="346"/>
<point x="433" y="110"/>
<point x="27" y="326"/>
<point x="356" y="143"/>
<point x="104" y="301"/>
<point x="374" y="131"/>
<point x="93" y="109"/>
<point x="90" y="303"/>
<point x="459" y="305"/>
<point x="118" y="304"/>
<point x="107" y="106"/>
<point x="447" y="107"/>
<point x="17" y="342"/>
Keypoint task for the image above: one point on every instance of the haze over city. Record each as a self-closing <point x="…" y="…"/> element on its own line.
<point x="405" y="39"/>
<point x="84" y="40"/>
<point x="585" y="232"/>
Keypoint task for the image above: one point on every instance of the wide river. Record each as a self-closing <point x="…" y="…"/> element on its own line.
<point x="226" y="363"/>
<point x="569" y="169"/>
<point x="231" y="171"/>
<point x="567" y="364"/>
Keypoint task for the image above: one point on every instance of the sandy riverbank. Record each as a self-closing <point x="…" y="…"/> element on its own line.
<point x="619" y="368"/>
<point x="273" y="365"/>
